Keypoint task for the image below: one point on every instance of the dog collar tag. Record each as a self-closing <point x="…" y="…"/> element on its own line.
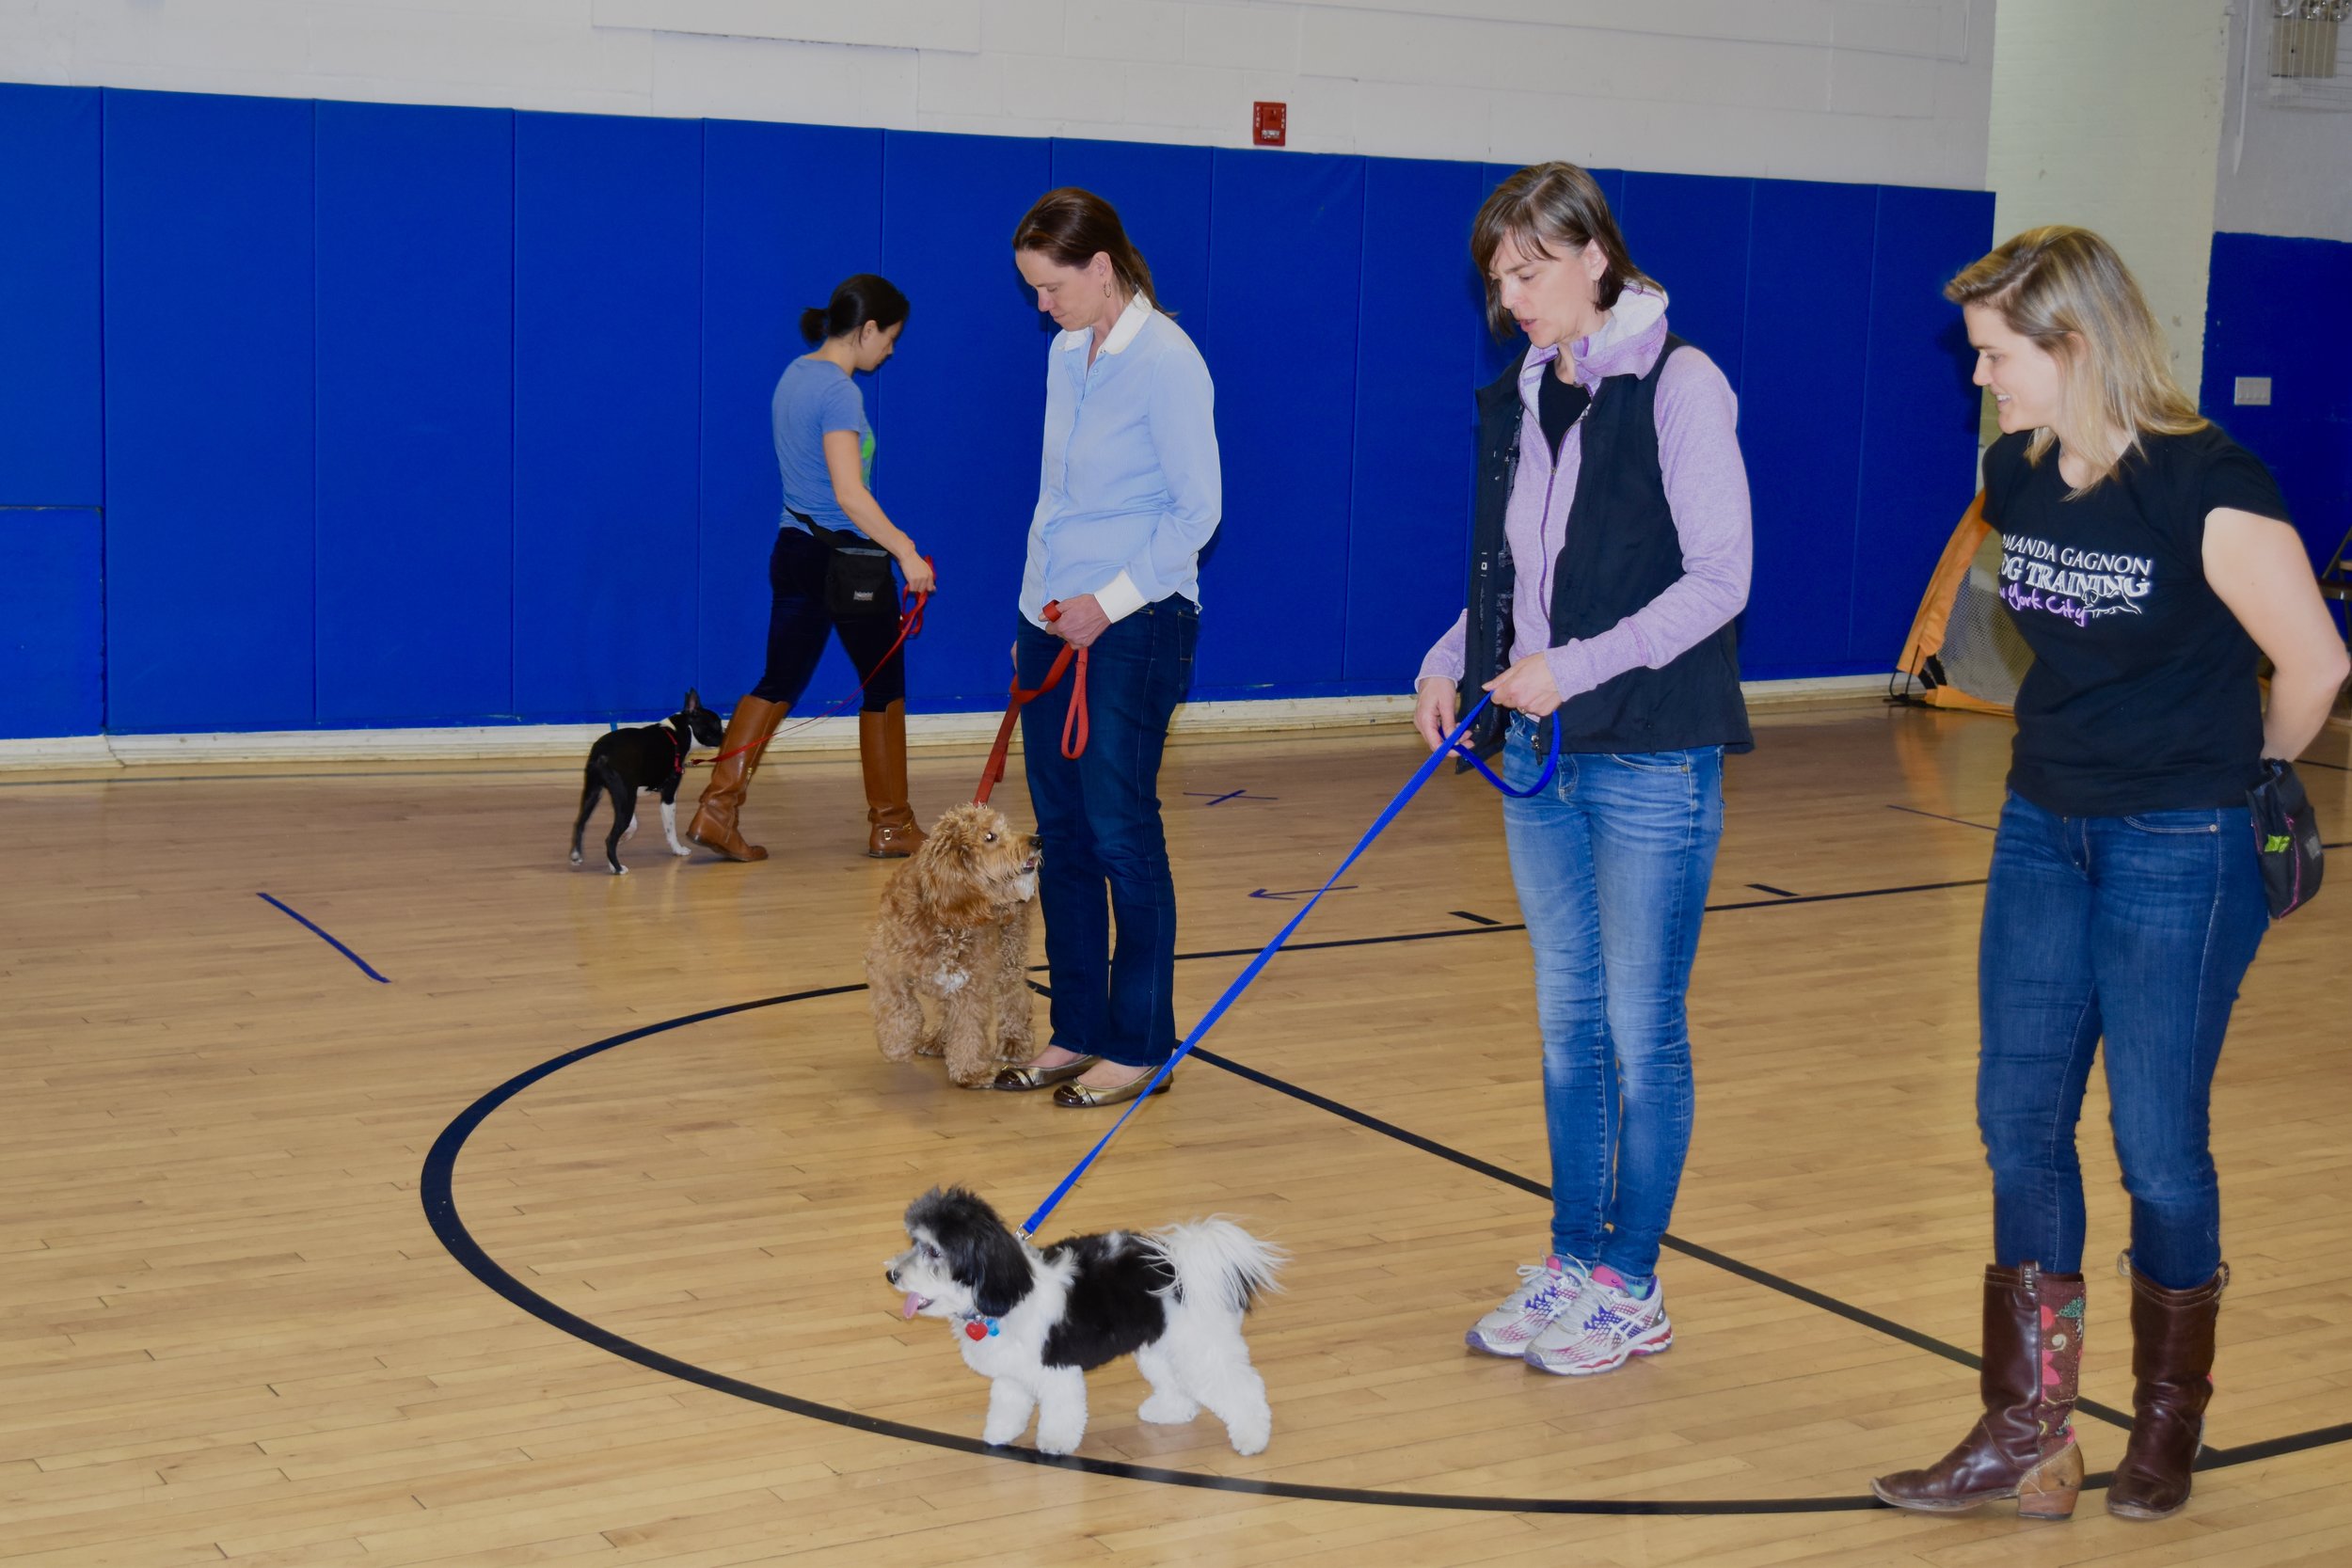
<point x="976" y="1330"/>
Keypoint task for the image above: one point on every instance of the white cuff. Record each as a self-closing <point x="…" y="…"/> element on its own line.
<point x="1120" y="597"/>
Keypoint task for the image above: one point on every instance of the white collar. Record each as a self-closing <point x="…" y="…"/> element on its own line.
<point x="1123" y="331"/>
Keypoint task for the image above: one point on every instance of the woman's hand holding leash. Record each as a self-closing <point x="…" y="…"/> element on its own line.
<point x="1528" y="687"/>
<point x="919" y="576"/>
<point x="1434" y="713"/>
<point x="1081" y="621"/>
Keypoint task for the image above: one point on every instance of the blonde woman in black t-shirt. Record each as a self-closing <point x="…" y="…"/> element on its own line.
<point x="2148" y="561"/>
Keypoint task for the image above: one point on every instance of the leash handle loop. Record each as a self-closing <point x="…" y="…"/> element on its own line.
<point x="1073" y="729"/>
<point x="1552" y="762"/>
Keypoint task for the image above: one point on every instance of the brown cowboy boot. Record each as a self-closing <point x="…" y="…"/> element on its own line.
<point x="2022" y="1447"/>
<point x="749" y="729"/>
<point x="2171" y="1383"/>
<point x="881" y="749"/>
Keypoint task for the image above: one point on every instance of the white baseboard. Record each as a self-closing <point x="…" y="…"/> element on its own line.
<point x="571" y="741"/>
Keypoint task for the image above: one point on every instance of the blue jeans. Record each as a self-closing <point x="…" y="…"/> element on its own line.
<point x="1098" y="820"/>
<point x="1612" y="861"/>
<point x="2136" y="929"/>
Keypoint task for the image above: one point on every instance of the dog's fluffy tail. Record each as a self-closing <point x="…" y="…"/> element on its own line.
<point x="1216" y="1261"/>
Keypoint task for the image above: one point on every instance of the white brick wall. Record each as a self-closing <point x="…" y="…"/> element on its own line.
<point x="2286" y="168"/>
<point x="2107" y="114"/>
<point x="1894" y="90"/>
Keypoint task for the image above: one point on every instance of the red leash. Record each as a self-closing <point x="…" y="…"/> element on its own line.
<point x="1074" y="731"/>
<point x="909" y="625"/>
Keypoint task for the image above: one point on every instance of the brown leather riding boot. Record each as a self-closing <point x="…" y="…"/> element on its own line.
<point x="2022" y="1447"/>
<point x="750" y="727"/>
<point x="881" y="747"/>
<point x="2171" y="1385"/>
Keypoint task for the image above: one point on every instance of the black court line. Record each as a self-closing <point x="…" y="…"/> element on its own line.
<point x="1474" y="919"/>
<point x="435" y="1188"/>
<point x="1775" y="892"/>
<point x="2315" y="761"/>
<point x="330" y="941"/>
<point x="1787" y="902"/>
<point x="1528" y="1184"/>
<point x="1980" y="827"/>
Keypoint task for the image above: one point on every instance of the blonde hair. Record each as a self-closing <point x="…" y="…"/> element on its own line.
<point x="2067" y="291"/>
<point x="1544" y="205"/>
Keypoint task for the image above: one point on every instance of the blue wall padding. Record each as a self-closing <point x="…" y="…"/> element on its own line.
<point x="50" y="415"/>
<point x="1919" y="412"/>
<point x="415" y="415"/>
<point x="51" y="622"/>
<point x="788" y="212"/>
<point x="2283" y="307"/>
<point x="1690" y="231"/>
<point x="208" y="268"/>
<point x="415" y="571"/>
<point x="965" y="399"/>
<point x="1415" y="418"/>
<point x="608" y="330"/>
<point x="1801" y="426"/>
<point x="1283" y="277"/>
<point x="1162" y="194"/>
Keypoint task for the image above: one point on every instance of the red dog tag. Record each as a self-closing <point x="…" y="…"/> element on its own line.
<point x="975" y="1331"/>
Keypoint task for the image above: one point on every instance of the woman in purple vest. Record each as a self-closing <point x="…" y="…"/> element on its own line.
<point x="1609" y="550"/>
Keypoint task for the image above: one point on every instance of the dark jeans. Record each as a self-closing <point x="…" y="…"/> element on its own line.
<point x="1098" y="819"/>
<point x="2136" y="929"/>
<point x="1611" y="860"/>
<point x="798" y="622"/>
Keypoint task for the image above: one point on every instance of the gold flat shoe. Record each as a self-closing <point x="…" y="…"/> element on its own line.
<point x="1083" y="1095"/>
<point x="1019" y="1079"/>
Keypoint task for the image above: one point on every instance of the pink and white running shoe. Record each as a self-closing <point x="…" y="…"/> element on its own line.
<point x="1607" y="1329"/>
<point x="1546" y="1289"/>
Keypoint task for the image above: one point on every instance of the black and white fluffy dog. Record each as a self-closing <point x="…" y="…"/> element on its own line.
<point x="652" y="756"/>
<point x="1034" y="1324"/>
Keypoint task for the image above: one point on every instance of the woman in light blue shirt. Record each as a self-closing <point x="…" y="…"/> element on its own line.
<point x="825" y="457"/>
<point x="1128" y="494"/>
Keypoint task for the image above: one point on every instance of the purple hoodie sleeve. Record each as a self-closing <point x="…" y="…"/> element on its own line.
<point x="1706" y="487"/>
<point x="1444" y="660"/>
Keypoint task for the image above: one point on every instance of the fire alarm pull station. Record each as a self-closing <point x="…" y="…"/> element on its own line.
<point x="1266" y="123"/>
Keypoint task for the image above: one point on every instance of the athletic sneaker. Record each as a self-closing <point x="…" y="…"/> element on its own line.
<point x="1546" y="1291"/>
<point x="1610" y="1327"/>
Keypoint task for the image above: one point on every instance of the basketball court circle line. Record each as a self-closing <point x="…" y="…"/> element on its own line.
<point x="436" y="1189"/>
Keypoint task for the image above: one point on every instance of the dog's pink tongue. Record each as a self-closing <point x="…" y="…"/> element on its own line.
<point x="914" y="1305"/>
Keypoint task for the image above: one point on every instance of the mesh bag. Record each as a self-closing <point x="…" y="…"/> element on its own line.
<point x="1983" y="653"/>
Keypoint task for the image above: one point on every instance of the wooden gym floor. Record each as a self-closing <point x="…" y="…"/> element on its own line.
<point x="229" y="1333"/>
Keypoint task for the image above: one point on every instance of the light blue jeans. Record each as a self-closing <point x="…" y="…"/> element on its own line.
<point x="1611" y="860"/>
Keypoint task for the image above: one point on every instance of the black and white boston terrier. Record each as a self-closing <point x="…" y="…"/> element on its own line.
<point x="652" y="756"/>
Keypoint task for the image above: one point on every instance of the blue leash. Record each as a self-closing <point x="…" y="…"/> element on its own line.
<point x="1453" y="747"/>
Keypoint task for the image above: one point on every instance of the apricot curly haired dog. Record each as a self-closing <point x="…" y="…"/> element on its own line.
<point x="955" y="928"/>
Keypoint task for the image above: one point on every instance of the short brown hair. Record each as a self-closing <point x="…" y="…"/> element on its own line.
<point x="1544" y="205"/>
<point x="1073" y="227"/>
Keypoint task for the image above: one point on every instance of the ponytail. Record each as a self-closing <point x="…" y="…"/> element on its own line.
<point x="1071" y="227"/>
<point x="855" y="301"/>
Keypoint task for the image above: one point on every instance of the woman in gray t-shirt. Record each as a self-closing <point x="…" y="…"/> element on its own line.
<point x="825" y="458"/>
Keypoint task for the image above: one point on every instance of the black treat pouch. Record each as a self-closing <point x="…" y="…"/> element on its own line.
<point x="858" y="583"/>
<point x="2287" y="838"/>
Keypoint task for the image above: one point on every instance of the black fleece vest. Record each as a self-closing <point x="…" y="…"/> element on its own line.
<point x="1621" y="552"/>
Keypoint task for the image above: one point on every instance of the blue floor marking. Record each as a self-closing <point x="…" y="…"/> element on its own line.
<point x="330" y="941"/>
